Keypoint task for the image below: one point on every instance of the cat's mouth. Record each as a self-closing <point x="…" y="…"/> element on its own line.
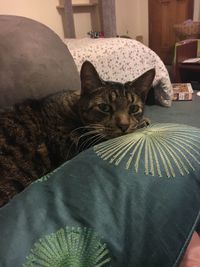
<point x="113" y="132"/>
<point x="117" y="132"/>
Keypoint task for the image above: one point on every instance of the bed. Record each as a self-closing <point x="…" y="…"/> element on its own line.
<point x="130" y="201"/>
<point x="122" y="60"/>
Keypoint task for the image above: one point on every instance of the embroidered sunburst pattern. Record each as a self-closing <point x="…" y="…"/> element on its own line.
<point x="69" y="247"/>
<point x="162" y="149"/>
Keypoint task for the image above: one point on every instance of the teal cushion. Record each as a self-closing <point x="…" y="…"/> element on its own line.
<point x="130" y="201"/>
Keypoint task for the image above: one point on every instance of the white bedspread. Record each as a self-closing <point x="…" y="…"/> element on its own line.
<point x="122" y="60"/>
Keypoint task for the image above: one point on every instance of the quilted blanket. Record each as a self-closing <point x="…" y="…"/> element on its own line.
<point x="122" y="60"/>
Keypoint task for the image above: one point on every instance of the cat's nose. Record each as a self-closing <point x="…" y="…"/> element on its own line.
<point x="122" y="121"/>
<point x="123" y="127"/>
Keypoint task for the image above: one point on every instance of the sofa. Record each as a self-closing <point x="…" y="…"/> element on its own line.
<point x="34" y="61"/>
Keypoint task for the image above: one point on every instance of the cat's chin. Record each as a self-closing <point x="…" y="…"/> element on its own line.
<point x="118" y="134"/>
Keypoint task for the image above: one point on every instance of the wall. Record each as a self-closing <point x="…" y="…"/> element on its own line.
<point x="196" y="10"/>
<point x="132" y="15"/>
<point x="82" y="21"/>
<point x="133" y="20"/>
<point x="44" y="11"/>
<point x="130" y="21"/>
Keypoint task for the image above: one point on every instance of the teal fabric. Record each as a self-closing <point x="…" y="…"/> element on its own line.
<point x="184" y="112"/>
<point x="112" y="205"/>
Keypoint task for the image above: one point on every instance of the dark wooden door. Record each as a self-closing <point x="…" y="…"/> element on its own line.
<point x="163" y="14"/>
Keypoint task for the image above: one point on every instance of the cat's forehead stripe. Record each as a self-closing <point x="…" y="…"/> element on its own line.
<point x="130" y="97"/>
<point x="113" y="96"/>
<point x="97" y="99"/>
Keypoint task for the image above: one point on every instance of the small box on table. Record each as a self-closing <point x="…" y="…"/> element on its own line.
<point x="182" y="91"/>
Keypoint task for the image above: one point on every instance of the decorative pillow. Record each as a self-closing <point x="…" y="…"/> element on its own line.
<point x="34" y="61"/>
<point x="130" y="201"/>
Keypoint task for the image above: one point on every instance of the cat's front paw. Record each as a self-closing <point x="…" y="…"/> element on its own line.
<point x="144" y="123"/>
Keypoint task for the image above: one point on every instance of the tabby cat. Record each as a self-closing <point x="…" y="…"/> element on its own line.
<point x="37" y="136"/>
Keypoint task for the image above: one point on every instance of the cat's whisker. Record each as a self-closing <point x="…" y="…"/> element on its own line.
<point x="97" y="140"/>
<point x="78" y="140"/>
<point x="76" y="130"/>
<point x="90" y="141"/>
<point x="89" y="133"/>
<point x="84" y="135"/>
<point x="89" y="136"/>
<point x="68" y="153"/>
<point x="80" y="128"/>
<point x="87" y="127"/>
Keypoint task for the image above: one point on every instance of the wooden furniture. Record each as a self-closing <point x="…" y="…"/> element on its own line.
<point x="190" y="72"/>
<point x="163" y="14"/>
<point x="102" y="13"/>
<point x="186" y="72"/>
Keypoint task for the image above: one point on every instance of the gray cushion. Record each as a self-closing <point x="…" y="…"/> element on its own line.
<point x="34" y="62"/>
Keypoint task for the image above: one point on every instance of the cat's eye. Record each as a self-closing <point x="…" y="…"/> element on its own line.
<point x="104" y="107"/>
<point x="133" y="109"/>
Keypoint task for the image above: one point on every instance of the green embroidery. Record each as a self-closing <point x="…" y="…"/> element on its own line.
<point x="163" y="149"/>
<point x="45" y="177"/>
<point x="48" y="175"/>
<point x="69" y="247"/>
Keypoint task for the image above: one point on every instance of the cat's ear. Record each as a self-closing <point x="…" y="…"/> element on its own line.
<point x="142" y="84"/>
<point x="90" y="79"/>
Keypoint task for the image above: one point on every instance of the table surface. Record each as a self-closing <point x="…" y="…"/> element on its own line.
<point x="190" y="66"/>
<point x="183" y="112"/>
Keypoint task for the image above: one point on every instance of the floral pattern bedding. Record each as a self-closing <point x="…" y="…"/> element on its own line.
<point x="122" y="60"/>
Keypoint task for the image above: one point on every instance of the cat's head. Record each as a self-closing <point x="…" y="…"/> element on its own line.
<point x="110" y="108"/>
